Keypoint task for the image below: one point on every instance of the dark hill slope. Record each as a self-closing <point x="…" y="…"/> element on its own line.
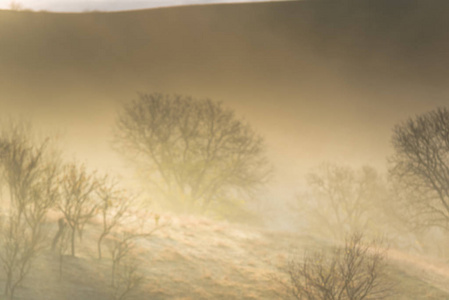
<point x="291" y="68"/>
<point x="209" y="49"/>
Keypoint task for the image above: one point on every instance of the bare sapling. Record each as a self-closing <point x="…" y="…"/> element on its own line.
<point x="356" y="272"/>
<point x="78" y="203"/>
<point x="114" y="205"/>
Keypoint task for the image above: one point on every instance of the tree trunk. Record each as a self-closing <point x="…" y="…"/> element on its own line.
<point x="12" y="290"/>
<point x="99" y="244"/>
<point x="73" y="242"/>
<point x="6" y="288"/>
<point x="60" y="264"/>
<point x="8" y="283"/>
<point x="113" y="273"/>
<point x="61" y="228"/>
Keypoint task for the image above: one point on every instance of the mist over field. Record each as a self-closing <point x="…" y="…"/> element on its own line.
<point x="223" y="144"/>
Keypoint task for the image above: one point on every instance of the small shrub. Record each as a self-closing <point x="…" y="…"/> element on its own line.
<point x="355" y="272"/>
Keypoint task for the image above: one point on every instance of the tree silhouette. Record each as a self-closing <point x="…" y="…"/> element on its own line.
<point x="420" y="166"/>
<point x="78" y="203"/>
<point x="344" y="200"/>
<point x="355" y="272"/>
<point x="114" y="206"/>
<point x="196" y="153"/>
<point x="30" y="173"/>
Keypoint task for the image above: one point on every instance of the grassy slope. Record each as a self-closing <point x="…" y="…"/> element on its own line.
<point x="66" y="61"/>
<point x="196" y="258"/>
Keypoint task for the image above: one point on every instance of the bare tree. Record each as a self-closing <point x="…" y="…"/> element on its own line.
<point x="124" y="243"/>
<point x="22" y="240"/>
<point x="123" y="246"/>
<point x="343" y="200"/>
<point x="356" y="272"/>
<point x="128" y="279"/>
<point x="78" y="203"/>
<point x="18" y="250"/>
<point x="196" y="152"/>
<point x="113" y="208"/>
<point x="124" y="240"/>
<point x="31" y="175"/>
<point x="20" y="163"/>
<point x="420" y="165"/>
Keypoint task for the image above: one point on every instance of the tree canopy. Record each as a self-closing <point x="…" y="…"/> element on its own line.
<point x="195" y="152"/>
<point x="420" y="165"/>
<point x="344" y="200"/>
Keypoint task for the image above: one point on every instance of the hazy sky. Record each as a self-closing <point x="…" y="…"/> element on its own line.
<point x="106" y="5"/>
<point x="319" y="80"/>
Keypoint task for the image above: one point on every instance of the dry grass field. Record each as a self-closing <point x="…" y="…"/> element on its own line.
<point x="198" y="258"/>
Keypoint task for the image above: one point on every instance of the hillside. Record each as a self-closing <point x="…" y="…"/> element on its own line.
<point x="197" y="258"/>
<point x="292" y="69"/>
<point x="319" y="80"/>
